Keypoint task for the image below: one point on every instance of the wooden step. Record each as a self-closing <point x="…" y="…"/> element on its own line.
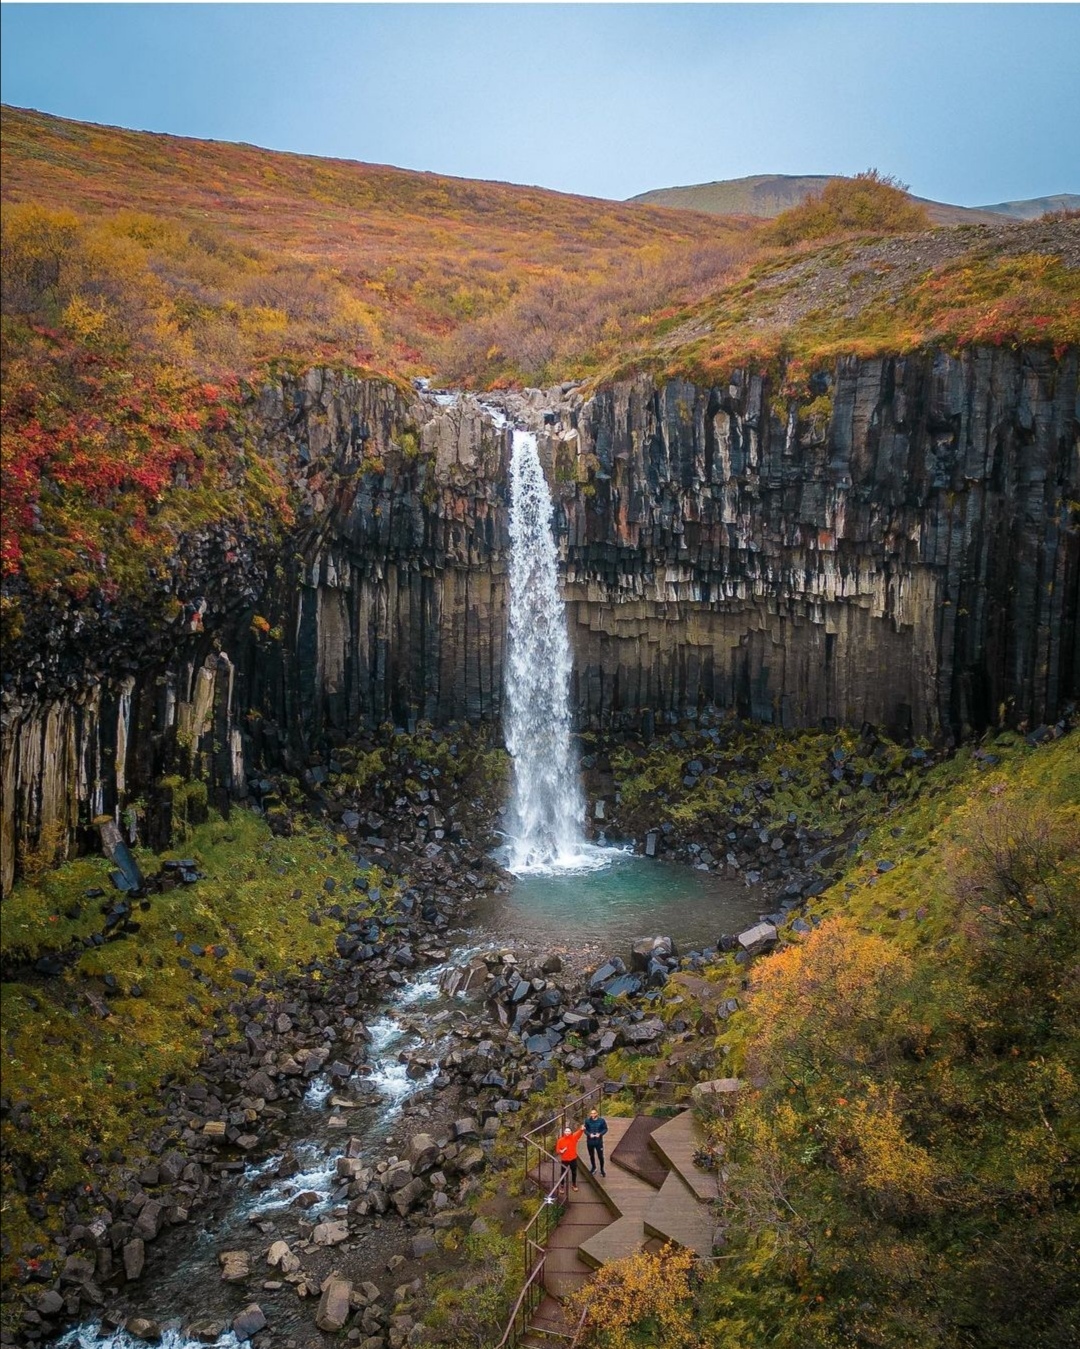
<point x="628" y="1197"/>
<point x="679" y="1216"/>
<point x="584" y="1216"/>
<point x="676" y="1141"/>
<point x="550" y="1323"/>
<point x="633" y="1153"/>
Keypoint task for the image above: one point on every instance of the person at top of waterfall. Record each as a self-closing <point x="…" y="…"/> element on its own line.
<point x="566" y="1146"/>
<point x="595" y="1129"/>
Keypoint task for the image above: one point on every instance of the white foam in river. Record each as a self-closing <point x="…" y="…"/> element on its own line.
<point x="88" y="1336"/>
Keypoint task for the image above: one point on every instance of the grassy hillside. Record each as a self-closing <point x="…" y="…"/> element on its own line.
<point x="797" y="309"/>
<point x="252" y="252"/>
<point x="767" y="194"/>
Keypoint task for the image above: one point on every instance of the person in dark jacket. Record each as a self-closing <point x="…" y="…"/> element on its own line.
<point x="595" y="1129"/>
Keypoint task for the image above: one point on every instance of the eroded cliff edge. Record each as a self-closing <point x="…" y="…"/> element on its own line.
<point x="899" y="546"/>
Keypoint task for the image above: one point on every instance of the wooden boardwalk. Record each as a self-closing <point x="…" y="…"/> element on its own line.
<point x="659" y="1196"/>
<point x="676" y="1142"/>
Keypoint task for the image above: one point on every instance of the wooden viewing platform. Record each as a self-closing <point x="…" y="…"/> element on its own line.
<point x="653" y="1194"/>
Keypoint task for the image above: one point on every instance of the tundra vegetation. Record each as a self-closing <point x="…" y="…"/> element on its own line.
<point x="149" y="281"/>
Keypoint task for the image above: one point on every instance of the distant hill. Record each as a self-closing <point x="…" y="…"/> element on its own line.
<point x="1036" y="206"/>
<point x="767" y="194"/>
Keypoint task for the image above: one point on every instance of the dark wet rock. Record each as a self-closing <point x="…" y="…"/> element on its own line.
<point x="626" y="985"/>
<point x="648" y="948"/>
<point x="330" y="1233"/>
<point x="643" y="1032"/>
<point x="757" y="938"/>
<point x="423" y="1153"/>
<point x="235" y="1266"/>
<point x="605" y="973"/>
<point x="249" y="1322"/>
<point x="143" y="1328"/>
<point x="48" y="1303"/>
<point x="134" y="1258"/>
<point x="206" y="1332"/>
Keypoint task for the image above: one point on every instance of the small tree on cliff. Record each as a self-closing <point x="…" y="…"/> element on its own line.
<point x="869" y="203"/>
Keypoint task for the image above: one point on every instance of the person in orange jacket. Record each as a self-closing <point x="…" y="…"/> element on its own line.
<point x="566" y="1146"/>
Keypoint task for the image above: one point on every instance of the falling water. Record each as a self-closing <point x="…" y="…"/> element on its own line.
<point x="547" y="808"/>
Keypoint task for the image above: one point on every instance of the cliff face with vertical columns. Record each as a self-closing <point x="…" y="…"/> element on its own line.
<point x="901" y="550"/>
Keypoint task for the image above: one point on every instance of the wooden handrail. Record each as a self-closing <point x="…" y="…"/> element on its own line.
<point x="597" y="1091"/>
<point x="579" y="1329"/>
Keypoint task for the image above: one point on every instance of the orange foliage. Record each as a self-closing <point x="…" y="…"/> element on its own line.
<point x="326" y="258"/>
<point x="866" y="204"/>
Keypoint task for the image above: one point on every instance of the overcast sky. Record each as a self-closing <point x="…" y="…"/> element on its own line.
<point x="968" y="103"/>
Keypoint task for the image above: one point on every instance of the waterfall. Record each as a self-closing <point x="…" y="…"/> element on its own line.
<point x="547" y="808"/>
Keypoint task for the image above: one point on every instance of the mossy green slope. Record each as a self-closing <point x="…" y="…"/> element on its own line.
<point x="75" y="1078"/>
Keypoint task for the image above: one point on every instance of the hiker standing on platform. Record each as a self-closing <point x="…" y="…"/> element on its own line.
<point x="566" y="1146"/>
<point x="595" y="1129"/>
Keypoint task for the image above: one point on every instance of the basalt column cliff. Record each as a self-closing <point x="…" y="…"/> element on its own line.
<point x="902" y="547"/>
<point x="902" y="550"/>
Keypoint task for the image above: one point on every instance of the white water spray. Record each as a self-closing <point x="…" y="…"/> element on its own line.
<point x="547" y="808"/>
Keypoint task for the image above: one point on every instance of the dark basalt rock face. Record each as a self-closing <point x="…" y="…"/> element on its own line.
<point x="904" y="553"/>
<point x="908" y="560"/>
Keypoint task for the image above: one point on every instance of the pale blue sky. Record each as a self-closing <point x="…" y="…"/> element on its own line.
<point x="968" y="103"/>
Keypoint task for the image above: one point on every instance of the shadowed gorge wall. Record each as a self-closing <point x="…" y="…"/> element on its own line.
<point x="902" y="547"/>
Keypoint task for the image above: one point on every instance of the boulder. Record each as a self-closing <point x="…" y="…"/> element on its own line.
<point x="409" y="1195"/>
<point x="423" y="1243"/>
<point x="624" y="986"/>
<point x="235" y="1266"/>
<point x="330" y="1233"/>
<point x="472" y="1159"/>
<point x="719" y="1094"/>
<point x="281" y="1257"/>
<point x="649" y="948"/>
<point x="423" y="1152"/>
<point x="148" y="1223"/>
<point x="758" y="938"/>
<point x="335" y="1304"/>
<point x="605" y="973"/>
<point x="643" y="1032"/>
<point x="134" y="1258"/>
<point x="143" y="1328"/>
<point x="249" y="1322"/>
<point x="205" y="1332"/>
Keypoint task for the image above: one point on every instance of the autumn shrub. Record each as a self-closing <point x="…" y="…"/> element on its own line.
<point x="564" y="322"/>
<point x="869" y="203"/>
<point x="642" y="1299"/>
